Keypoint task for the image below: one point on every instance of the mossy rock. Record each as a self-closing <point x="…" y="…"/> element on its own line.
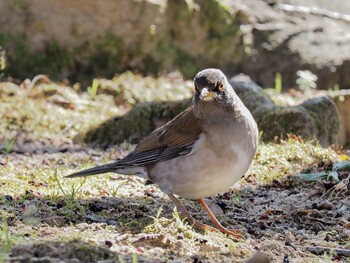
<point x="136" y="124"/>
<point x="286" y="120"/>
<point x="315" y="118"/>
<point x="342" y="99"/>
<point x="51" y="251"/>
<point x="325" y="114"/>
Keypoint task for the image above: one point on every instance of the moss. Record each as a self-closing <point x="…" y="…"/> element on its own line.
<point x="23" y="63"/>
<point x="187" y="63"/>
<point x="306" y="120"/>
<point x="85" y="252"/>
<point x="281" y="121"/>
<point x="324" y="112"/>
<point x="103" y="58"/>
<point x="139" y="122"/>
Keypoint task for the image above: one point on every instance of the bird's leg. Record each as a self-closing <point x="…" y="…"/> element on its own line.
<point x="193" y="222"/>
<point x="234" y="233"/>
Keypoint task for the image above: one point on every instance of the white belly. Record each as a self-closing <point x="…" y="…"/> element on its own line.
<point x="206" y="171"/>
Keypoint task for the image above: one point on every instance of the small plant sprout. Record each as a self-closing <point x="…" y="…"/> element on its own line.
<point x="278" y="82"/>
<point x="6" y="242"/>
<point x="8" y="146"/>
<point x="2" y="59"/>
<point x="260" y="137"/>
<point x="179" y="221"/>
<point x="156" y="218"/>
<point x="113" y="189"/>
<point x="306" y="80"/>
<point x="93" y="89"/>
<point x="121" y="259"/>
<point x="74" y="188"/>
<point x="134" y="258"/>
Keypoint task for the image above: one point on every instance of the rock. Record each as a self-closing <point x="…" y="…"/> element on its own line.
<point x="139" y="122"/>
<point x="314" y="118"/>
<point x="251" y="94"/>
<point x="259" y="257"/>
<point x="287" y="36"/>
<point x="101" y="38"/>
<point x="63" y="251"/>
<point x="326" y="117"/>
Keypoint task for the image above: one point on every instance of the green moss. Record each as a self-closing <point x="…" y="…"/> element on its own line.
<point x="139" y="122"/>
<point x="23" y="63"/>
<point x="280" y="121"/>
<point x="19" y="4"/>
<point x="305" y="120"/>
<point x="103" y="58"/>
<point x="290" y="156"/>
<point x="83" y="251"/>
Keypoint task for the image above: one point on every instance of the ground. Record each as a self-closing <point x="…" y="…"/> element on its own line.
<point x="113" y="218"/>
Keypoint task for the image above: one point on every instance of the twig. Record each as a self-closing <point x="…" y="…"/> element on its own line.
<point x="314" y="11"/>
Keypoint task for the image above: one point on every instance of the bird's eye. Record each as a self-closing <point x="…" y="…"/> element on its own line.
<point x="219" y="86"/>
<point x="196" y="88"/>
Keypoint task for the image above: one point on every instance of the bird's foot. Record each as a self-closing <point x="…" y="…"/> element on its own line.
<point x="236" y="234"/>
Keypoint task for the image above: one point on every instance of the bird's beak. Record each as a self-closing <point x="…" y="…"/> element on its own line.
<point x="206" y="94"/>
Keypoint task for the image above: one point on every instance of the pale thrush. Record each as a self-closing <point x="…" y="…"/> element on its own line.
<point x="201" y="152"/>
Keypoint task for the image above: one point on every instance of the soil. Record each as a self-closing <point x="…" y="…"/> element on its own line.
<point x="285" y="220"/>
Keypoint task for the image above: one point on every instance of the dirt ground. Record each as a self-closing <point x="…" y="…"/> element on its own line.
<point x="286" y="220"/>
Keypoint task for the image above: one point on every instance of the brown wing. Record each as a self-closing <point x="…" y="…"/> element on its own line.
<point x="184" y="129"/>
<point x="173" y="139"/>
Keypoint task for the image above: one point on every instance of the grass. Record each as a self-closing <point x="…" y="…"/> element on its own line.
<point x="62" y="205"/>
<point x="74" y="188"/>
<point x="6" y="240"/>
<point x="137" y="221"/>
<point x="8" y="145"/>
<point x="277" y="160"/>
<point x="93" y="89"/>
<point x="278" y="82"/>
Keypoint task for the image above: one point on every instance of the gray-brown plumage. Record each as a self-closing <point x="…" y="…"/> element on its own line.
<point x="201" y="152"/>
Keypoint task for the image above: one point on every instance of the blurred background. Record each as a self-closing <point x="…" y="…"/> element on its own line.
<point x="82" y="39"/>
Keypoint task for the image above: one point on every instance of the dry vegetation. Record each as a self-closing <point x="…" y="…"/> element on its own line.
<point x="120" y="219"/>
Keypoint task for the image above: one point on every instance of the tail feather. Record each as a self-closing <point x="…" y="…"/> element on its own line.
<point x="111" y="167"/>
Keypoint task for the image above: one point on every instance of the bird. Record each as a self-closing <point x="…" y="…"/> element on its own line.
<point x="201" y="152"/>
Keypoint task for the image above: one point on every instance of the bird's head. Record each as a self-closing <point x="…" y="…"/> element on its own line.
<point x="212" y="90"/>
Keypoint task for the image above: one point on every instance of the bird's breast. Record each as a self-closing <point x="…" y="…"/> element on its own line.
<point x="218" y="159"/>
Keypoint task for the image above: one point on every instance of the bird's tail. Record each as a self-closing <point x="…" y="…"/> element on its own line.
<point x="110" y="167"/>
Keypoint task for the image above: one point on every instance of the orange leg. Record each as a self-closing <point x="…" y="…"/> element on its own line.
<point x="194" y="223"/>
<point x="234" y="233"/>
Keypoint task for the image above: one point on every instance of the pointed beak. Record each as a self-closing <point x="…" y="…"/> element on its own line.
<point x="206" y="94"/>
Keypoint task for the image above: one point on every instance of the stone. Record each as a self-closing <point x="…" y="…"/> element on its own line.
<point x="137" y="123"/>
